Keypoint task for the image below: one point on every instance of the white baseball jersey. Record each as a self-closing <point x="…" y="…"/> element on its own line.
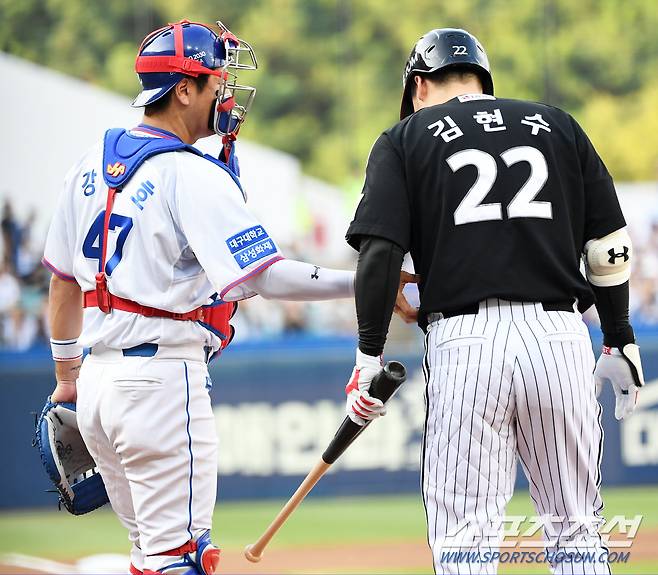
<point x="179" y="233"/>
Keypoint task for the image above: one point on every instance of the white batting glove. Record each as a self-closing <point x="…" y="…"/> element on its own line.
<point x="623" y="369"/>
<point x="360" y="406"/>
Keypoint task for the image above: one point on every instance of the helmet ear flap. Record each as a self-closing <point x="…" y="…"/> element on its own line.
<point x="407" y="107"/>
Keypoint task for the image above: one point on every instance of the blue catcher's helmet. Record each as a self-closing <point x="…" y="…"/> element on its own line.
<point x="187" y="48"/>
<point x="440" y="49"/>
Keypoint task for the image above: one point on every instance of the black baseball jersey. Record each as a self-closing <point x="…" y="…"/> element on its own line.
<point x="492" y="197"/>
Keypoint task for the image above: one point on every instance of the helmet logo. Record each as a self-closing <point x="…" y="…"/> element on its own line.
<point x="460" y="51"/>
<point x="198" y="55"/>
<point x="116" y="170"/>
<point x="410" y="64"/>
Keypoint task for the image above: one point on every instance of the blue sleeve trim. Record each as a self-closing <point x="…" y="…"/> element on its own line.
<point x="252" y="273"/>
<point x="59" y="274"/>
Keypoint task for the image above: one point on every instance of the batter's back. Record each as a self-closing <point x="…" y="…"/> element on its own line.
<point x="493" y="198"/>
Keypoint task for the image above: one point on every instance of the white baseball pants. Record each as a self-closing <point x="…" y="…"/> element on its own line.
<point x="149" y="425"/>
<point x="513" y="380"/>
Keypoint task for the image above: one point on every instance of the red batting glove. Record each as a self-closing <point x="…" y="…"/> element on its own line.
<point x="360" y="406"/>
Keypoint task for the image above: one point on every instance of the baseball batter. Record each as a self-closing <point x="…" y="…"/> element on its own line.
<point x="155" y="241"/>
<point x="497" y="201"/>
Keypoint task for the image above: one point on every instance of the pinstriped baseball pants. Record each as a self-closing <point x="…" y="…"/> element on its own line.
<point x="511" y="381"/>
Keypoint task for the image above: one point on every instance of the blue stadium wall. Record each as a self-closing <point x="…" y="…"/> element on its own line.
<point x="278" y="405"/>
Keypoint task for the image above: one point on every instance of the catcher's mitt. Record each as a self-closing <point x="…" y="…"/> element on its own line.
<point x="66" y="459"/>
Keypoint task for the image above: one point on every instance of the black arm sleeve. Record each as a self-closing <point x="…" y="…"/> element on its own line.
<point x="612" y="305"/>
<point x="376" y="287"/>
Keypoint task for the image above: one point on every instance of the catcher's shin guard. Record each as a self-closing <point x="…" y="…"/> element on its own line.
<point x="207" y="554"/>
<point x="196" y="557"/>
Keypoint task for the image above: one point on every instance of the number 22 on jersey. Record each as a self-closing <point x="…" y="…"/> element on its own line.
<point x="471" y="209"/>
<point x="92" y="247"/>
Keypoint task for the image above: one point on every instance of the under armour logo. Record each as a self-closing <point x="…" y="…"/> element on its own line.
<point x="614" y="255"/>
<point x="314" y="275"/>
<point x="116" y="170"/>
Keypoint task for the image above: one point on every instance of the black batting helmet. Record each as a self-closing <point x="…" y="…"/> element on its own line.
<point x="443" y="48"/>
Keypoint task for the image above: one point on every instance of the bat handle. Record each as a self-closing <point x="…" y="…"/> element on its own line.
<point x="383" y="386"/>
<point x="387" y="381"/>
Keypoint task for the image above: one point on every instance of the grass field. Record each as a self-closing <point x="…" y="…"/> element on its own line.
<point x="320" y="523"/>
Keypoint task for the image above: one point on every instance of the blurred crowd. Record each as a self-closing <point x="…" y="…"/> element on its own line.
<point x="644" y="278"/>
<point x="23" y="283"/>
<point x="24" y="293"/>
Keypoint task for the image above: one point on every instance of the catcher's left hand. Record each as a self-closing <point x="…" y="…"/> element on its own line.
<point x="66" y="459"/>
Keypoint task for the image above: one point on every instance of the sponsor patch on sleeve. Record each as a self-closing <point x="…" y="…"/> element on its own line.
<point x="250" y="245"/>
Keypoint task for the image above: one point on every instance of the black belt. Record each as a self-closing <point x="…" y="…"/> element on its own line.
<point x="473" y="309"/>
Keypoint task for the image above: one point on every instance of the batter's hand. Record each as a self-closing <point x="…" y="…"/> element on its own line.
<point x="623" y="369"/>
<point x="360" y="406"/>
<point x="408" y="313"/>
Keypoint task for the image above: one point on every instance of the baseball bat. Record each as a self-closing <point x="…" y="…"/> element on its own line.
<point x="383" y="386"/>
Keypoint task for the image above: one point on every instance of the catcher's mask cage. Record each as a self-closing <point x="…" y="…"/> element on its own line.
<point x="187" y="48"/>
<point x="440" y="49"/>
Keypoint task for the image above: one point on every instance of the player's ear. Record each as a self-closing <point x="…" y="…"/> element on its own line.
<point x="182" y="91"/>
<point x="419" y="92"/>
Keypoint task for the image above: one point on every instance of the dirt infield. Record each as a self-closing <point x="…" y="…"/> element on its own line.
<point x="358" y="558"/>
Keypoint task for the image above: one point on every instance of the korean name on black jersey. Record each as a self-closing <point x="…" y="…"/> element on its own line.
<point x="492" y="197"/>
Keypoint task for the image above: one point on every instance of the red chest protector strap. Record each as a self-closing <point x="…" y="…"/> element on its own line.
<point x="216" y="317"/>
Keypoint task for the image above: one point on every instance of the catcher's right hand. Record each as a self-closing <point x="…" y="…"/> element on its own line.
<point x="623" y="369"/>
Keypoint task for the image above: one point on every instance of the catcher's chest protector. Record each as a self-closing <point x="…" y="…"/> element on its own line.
<point x="123" y="153"/>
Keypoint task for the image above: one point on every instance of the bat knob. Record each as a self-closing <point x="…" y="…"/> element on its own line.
<point x="250" y="556"/>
